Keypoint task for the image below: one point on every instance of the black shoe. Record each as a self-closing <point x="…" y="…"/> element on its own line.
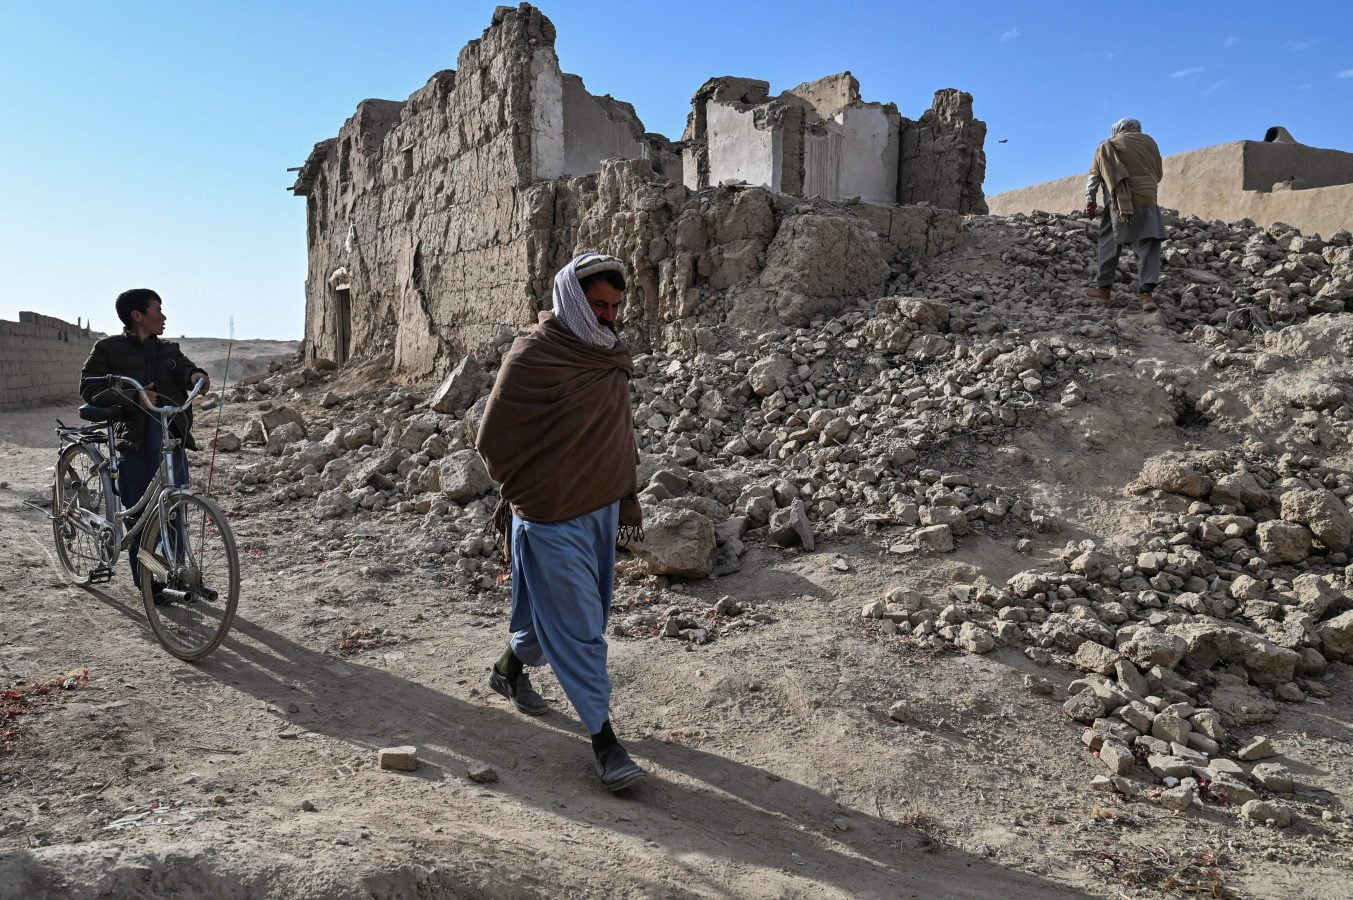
<point x="616" y="770"/>
<point x="522" y="695"/>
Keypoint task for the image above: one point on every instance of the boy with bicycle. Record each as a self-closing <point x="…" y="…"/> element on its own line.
<point x="164" y="370"/>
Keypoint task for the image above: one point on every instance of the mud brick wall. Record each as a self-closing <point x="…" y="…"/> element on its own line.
<point x="40" y="360"/>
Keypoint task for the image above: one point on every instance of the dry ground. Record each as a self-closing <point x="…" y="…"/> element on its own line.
<point x="776" y="771"/>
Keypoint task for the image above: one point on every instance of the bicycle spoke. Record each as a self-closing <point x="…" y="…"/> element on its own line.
<point x="193" y="612"/>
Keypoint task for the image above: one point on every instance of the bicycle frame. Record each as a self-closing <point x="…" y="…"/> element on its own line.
<point x="162" y="486"/>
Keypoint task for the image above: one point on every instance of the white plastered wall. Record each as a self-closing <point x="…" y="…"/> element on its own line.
<point x="738" y="150"/>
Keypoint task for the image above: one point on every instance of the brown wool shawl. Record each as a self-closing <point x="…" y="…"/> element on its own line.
<point x="558" y="430"/>
<point x="1130" y="166"/>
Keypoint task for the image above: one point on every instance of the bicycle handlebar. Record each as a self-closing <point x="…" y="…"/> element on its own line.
<point x="112" y="380"/>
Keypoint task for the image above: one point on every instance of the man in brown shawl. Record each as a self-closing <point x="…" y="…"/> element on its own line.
<point x="558" y="435"/>
<point x="1127" y="168"/>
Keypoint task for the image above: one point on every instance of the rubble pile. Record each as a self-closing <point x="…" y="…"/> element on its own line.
<point x="1231" y="595"/>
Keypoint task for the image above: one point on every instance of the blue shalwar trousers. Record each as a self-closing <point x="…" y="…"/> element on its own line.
<point x="563" y="574"/>
<point x="137" y="469"/>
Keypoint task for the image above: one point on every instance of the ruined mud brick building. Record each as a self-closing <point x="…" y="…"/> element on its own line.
<point x="40" y="360"/>
<point x="1274" y="180"/>
<point x="436" y="224"/>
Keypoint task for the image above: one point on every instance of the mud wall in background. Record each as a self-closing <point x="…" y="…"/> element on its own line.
<point x="1211" y="183"/>
<point x="40" y="361"/>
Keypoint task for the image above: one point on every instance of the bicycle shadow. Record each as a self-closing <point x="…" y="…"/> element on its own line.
<point x="716" y="807"/>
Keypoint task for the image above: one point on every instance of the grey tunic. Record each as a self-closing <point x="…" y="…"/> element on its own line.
<point x="1146" y="224"/>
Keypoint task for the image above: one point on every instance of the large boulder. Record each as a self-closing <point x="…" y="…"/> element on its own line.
<point x="1171" y="473"/>
<point x="768" y="375"/>
<point x="463" y="476"/>
<point x="460" y="388"/>
<point x="277" y="417"/>
<point x="1240" y="489"/>
<point x="1148" y="647"/>
<point x="790" y="526"/>
<point x="1336" y="638"/>
<point x="676" y="542"/>
<point x="1284" y="542"/>
<point x="1323" y="513"/>
<point x="1209" y="641"/>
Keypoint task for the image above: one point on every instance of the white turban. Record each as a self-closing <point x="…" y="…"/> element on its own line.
<point x="1123" y="125"/>
<point x="570" y="303"/>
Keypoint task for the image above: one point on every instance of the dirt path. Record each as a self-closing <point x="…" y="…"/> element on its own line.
<point x="233" y="747"/>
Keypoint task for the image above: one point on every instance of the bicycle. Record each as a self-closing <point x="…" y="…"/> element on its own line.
<point x="190" y="603"/>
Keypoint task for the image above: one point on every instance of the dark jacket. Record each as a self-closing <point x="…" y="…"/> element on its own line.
<point x="151" y="361"/>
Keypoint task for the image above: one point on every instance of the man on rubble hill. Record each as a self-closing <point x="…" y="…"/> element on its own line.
<point x="1127" y="169"/>
<point x="558" y="435"/>
<point x="164" y="371"/>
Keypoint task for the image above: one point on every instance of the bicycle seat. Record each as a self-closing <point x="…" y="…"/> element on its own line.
<point x="91" y="413"/>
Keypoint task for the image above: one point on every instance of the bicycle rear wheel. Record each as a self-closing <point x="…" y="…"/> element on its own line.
<point x="199" y="570"/>
<point x="81" y="486"/>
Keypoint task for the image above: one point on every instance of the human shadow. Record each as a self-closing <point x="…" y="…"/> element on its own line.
<point x="718" y="808"/>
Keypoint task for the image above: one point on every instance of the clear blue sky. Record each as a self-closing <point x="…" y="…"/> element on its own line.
<point x="146" y="144"/>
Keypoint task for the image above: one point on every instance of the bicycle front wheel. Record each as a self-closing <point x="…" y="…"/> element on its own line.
<point x="190" y="575"/>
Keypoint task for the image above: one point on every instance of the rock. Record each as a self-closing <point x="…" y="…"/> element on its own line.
<point x="1149" y="648"/>
<point x="1323" y="513"/>
<point x="1283" y="542"/>
<point x="946" y="515"/>
<point x="1336" y="638"/>
<point x="415" y="433"/>
<point x="308" y="806"/>
<point x="1267" y="812"/>
<point x="1231" y="789"/>
<point x="228" y="443"/>
<point x="1259" y="748"/>
<point x="1038" y="686"/>
<point x="460" y="388"/>
<point x="1209" y="641"/>
<point x="1170" y="728"/>
<point x="463" y="476"/>
<point x="333" y="504"/>
<point x="676" y="542"/>
<point x="900" y="711"/>
<point x="1240" y="489"/>
<point x="482" y="774"/>
<point x="278" y="416"/>
<point x="1163" y="765"/>
<point x="757" y="503"/>
<point x="770" y="374"/>
<point x="282" y="435"/>
<point x="936" y="538"/>
<point x="1273" y="777"/>
<point x="790" y="526"/>
<point x="1130" y="679"/>
<point x="1094" y="657"/>
<point x="400" y="759"/>
<point x="1085" y="707"/>
<point x="1178" y="798"/>
<point x="1240" y="704"/>
<point x="1172" y="474"/>
<point x="1208" y="722"/>
<point x="1117" y="757"/>
<point x="974" y="638"/>
<point x="1244" y="587"/>
<point x="1026" y="584"/>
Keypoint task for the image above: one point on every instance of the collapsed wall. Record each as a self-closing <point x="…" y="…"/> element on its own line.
<point x="436" y="223"/>
<point x="820" y="139"/>
<point x="40" y="360"/>
<point x="1267" y="182"/>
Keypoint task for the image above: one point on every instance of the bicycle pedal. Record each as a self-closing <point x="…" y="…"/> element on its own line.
<point x="101" y="575"/>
